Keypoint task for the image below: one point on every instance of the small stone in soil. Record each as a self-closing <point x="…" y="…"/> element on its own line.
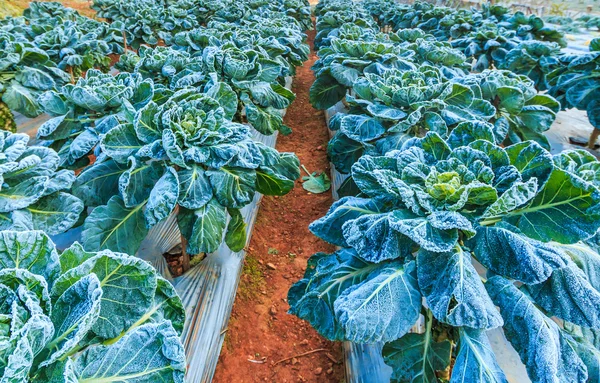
<point x="304" y="342"/>
<point x="273" y="311"/>
<point x="318" y="371"/>
<point x="294" y="361"/>
<point x="330" y="371"/>
<point x="271" y="266"/>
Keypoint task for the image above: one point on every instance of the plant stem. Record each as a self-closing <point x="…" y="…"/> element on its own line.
<point x="185" y="264"/>
<point x="593" y="138"/>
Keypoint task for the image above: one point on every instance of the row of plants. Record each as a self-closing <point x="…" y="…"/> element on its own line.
<point x="495" y="38"/>
<point x="172" y="133"/>
<point x="454" y="212"/>
<point x="151" y="22"/>
<point x="46" y="48"/>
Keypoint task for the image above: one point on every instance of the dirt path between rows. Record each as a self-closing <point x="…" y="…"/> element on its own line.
<point x="260" y="331"/>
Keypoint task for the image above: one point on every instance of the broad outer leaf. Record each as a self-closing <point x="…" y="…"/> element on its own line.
<point x="382" y="308"/>
<point x="56" y="213"/>
<point x="543" y="347"/>
<point x="203" y="227"/>
<point x="194" y="188"/>
<point x="114" y="227"/>
<point x="163" y="198"/>
<point x="235" y="238"/>
<point x="327" y="276"/>
<point x="127" y="283"/>
<point x="329" y="227"/>
<point x="417" y="357"/>
<point x="516" y="256"/>
<point x="454" y="291"/>
<point x="73" y="315"/>
<point x="476" y="362"/>
<point x="566" y="210"/>
<point x="569" y="295"/>
<point x="31" y="251"/>
<point x="375" y="239"/>
<point x="97" y="183"/>
<point x="150" y="353"/>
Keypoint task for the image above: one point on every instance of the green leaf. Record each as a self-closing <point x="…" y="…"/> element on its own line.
<point x="114" y="226"/>
<point x="325" y="92"/>
<point x="476" y="361"/>
<point x="541" y="344"/>
<point x="163" y="198"/>
<point x="22" y="100"/>
<point x="417" y="357"/>
<point x="74" y="314"/>
<point x="30" y="250"/>
<point x="233" y="187"/>
<point x="566" y="210"/>
<point x="150" y="353"/>
<point x="235" y="238"/>
<point x="23" y="194"/>
<point x="454" y="291"/>
<point x="204" y="227"/>
<point x="136" y="183"/>
<point x="97" y="183"/>
<point x="121" y="142"/>
<point x="365" y="320"/>
<point x="194" y="188"/>
<point x="314" y="183"/>
<point x="56" y="213"/>
<point x="120" y="305"/>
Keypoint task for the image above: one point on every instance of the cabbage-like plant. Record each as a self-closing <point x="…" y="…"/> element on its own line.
<point x="25" y="72"/>
<point x="532" y="27"/>
<point x="534" y="59"/>
<point x="73" y="50"/>
<point x="481" y="45"/>
<point x="89" y="108"/>
<point x="184" y="157"/>
<point x="344" y="61"/>
<point x="521" y="113"/>
<point x="428" y="218"/>
<point x="82" y="317"/>
<point x="34" y="195"/>
<point x="398" y="105"/>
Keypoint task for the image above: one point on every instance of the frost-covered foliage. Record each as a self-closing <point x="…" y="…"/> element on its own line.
<point x="25" y="72"/>
<point x="82" y="317"/>
<point x="576" y="84"/>
<point x="88" y="109"/>
<point x="532" y="58"/>
<point x="252" y="76"/>
<point x="424" y="215"/>
<point x="75" y="43"/>
<point x="34" y="194"/>
<point x="184" y="156"/>
<point x="151" y="21"/>
<point x="388" y="109"/>
<point x="453" y="213"/>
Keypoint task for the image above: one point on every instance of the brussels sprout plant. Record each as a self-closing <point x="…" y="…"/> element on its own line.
<point x="184" y="156"/>
<point x="428" y="216"/>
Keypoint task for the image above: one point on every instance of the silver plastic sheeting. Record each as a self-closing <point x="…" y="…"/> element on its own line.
<point x="161" y="238"/>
